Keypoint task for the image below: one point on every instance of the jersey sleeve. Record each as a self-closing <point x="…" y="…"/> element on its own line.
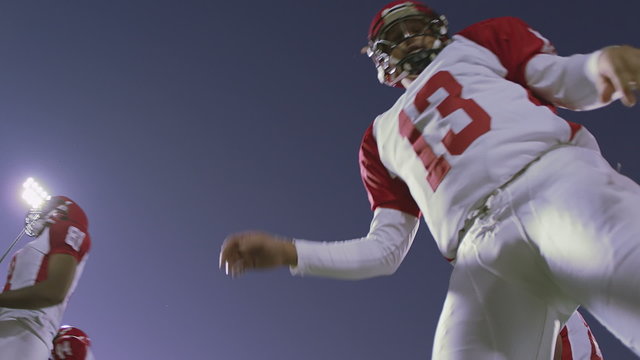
<point x="383" y="190"/>
<point x="569" y="82"/>
<point x="65" y="238"/>
<point x="512" y="41"/>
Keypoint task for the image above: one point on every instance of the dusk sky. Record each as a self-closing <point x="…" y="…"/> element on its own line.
<point x="175" y="123"/>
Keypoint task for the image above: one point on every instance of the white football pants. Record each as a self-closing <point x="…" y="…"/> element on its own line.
<point x="18" y="341"/>
<point x="565" y="233"/>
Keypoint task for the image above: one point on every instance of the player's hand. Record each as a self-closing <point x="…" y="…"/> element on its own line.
<point x="255" y="250"/>
<point x="619" y="70"/>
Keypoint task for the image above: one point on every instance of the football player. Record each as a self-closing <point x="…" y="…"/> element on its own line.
<point x="42" y="275"/>
<point x="71" y="343"/>
<point x="576" y="341"/>
<point x="519" y="200"/>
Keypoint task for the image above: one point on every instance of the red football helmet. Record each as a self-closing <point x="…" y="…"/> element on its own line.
<point x="70" y="343"/>
<point x="68" y="330"/>
<point x="395" y="24"/>
<point x="57" y="208"/>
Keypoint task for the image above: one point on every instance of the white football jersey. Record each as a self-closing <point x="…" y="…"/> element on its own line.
<point x="478" y="114"/>
<point x="29" y="266"/>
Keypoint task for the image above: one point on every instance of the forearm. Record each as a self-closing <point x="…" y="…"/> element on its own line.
<point x="569" y="82"/>
<point x="349" y="260"/>
<point x="30" y="297"/>
<point x="378" y="253"/>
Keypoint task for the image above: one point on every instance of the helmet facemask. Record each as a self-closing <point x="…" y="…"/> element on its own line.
<point x="34" y="224"/>
<point x="405" y="26"/>
<point x="38" y="219"/>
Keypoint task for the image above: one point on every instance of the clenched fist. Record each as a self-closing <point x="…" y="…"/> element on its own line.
<point x="619" y="72"/>
<point x="256" y="250"/>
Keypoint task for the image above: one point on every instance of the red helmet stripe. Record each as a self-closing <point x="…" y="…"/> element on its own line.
<point x="378" y="22"/>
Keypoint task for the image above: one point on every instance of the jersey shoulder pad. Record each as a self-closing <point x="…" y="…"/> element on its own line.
<point x="512" y="41"/>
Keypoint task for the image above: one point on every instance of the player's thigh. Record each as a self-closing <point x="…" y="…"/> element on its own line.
<point x="584" y="218"/>
<point x="581" y="214"/>
<point x="18" y="342"/>
<point x="497" y="305"/>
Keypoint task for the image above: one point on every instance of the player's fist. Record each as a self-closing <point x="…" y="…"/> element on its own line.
<point x="255" y="250"/>
<point x="619" y="72"/>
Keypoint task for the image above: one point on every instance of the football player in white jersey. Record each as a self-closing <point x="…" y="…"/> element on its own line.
<point x="576" y="341"/>
<point x="41" y="277"/>
<point x="519" y="200"/>
<point x="71" y="343"/>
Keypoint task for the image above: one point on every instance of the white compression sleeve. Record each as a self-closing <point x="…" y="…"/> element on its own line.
<point x="569" y="82"/>
<point x="379" y="253"/>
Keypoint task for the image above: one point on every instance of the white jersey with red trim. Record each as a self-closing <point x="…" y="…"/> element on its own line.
<point x="578" y="342"/>
<point x="477" y="115"/>
<point x="29" y="267"/>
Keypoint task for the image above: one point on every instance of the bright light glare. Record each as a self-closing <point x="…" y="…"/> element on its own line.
<point x="34" y="194"/>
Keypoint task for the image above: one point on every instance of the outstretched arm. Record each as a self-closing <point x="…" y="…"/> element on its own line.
<point x="585" y="82"/>
<point x="379" y="253"/>
<point x="51" y="291"/>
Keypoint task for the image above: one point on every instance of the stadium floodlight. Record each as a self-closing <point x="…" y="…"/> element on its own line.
<point x="35" y="196"/>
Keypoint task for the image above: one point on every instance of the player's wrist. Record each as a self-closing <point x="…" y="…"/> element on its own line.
<point x="289" y="252"/>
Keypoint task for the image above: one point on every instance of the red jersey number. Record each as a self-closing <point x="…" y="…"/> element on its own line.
<point x="455" y="143"/>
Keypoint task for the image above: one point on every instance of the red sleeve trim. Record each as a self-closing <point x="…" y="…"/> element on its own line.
<point x="594" y="349"/>
<point x="512" y="41"/>
<point x="382" y="189"/>
<point x="566" y="344"/>
<point x="575" y="127"/>
<point x="595" y="353"/>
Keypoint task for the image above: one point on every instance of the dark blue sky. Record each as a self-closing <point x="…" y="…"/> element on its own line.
<point x="174" y="123"/>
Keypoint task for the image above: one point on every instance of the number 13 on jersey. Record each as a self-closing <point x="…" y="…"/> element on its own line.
<point x="455" y="143"/>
